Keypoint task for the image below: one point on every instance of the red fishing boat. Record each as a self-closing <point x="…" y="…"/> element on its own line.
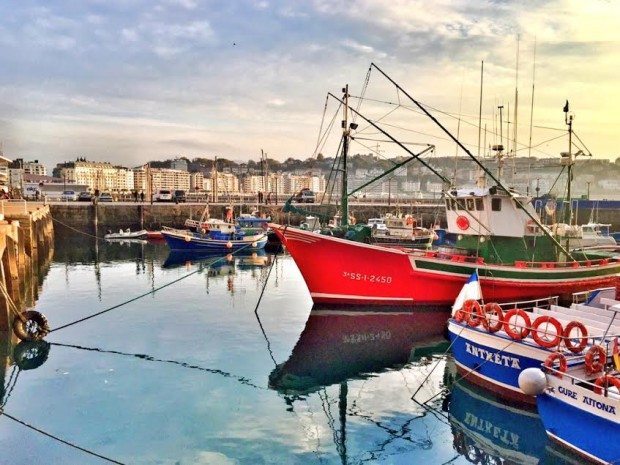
<point x="499" y="235"/>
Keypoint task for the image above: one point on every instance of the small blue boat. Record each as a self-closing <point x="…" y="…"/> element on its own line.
<point x="226" y="239"/>
<point x="578" y="412"/>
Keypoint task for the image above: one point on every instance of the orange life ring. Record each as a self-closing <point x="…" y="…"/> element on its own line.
<point x="606" y="381"/>
<point x="409" y="220"/>
<point x="583" y="339"/>
<point x="561" y="359"/>
<point x="517" y="332"/>
<point x="538" y="336"/>
<point x="476" y="316"/>
<point x="470" y="306"/>
<point x="459" y="315"/>
<point x="595" y="359"/>
<point x="493" y="309"/>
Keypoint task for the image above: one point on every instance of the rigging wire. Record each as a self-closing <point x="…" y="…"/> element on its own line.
<point x="260" y="298"/>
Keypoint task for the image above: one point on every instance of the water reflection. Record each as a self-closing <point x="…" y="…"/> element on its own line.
<point x="337" y="345"/>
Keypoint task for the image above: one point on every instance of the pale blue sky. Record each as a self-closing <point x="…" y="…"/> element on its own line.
<point x="127" y="81"/>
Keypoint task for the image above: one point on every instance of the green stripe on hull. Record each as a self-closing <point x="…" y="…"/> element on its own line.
<point x="517" y="273"/>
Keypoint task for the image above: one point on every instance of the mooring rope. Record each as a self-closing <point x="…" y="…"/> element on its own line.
<point x="78" y="230"/>
<point x="152" y="291"/>
<point x="260" y="297"/>
<point x="63" y="441"/>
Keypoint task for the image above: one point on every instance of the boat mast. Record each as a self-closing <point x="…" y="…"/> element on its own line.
<point x="516" y="114"/>
<point x="568" y="161"/>
<point x="529" y="145"/>
<point x="500" y="148"/>
<point x="480" y="181"/>
<point x="346" y="134"/>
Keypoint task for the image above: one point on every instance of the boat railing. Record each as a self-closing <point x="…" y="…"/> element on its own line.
<point x="546" y="303"/>
<point x="573" y="264"/>
<point x="574" y="380"/>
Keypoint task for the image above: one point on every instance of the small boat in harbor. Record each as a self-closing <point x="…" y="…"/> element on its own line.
<point x="579" y="412"/>
<point x="493" y="343"/>
<point x="154" y="236"/>
<point x="400" y="231"/>
<point x="225" y="239"/>
<point x="127" y="234"/>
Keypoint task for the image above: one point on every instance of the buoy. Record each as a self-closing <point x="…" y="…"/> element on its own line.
<point x="606" y="381"/>
<point x="471" y="306"/>
<point x="229" y="257"/>
<point x="546" y="338"/>
<point x="493" y="310"/>
<point x="582" y="338"/>
<point x="229" y="245"/>
<point x="515" y="331"/>
<point x="188" y="238"/>
<point x="532" y="381"/>
<point x="31" y="326"/>
<point x="561" y="359"/>
<point x="254" y="244"/>
<point x="595" y="359"/>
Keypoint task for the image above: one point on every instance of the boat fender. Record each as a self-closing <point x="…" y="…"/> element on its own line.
<point x="582" y="338"/>
<point x="229" y="245"/>
<point x="203" y="231"/>
<point x="532" y="381"/>
<point x="254" y="244"/>
<point x="188" y="238"/>
<point x="606" y="382"/>
<point x="470" y="306"/>
<point x="545" y="338"/>
<point x="561" y="359"/>
<point x="515" y="331"/>
<point x="31" y="326"/>
<point x="595" y="359"/>
<point x="492" y="309"/>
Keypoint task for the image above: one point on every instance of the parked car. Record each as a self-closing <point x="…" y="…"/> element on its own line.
<point x="85" y="197"/>
<point x="179" y="196"/>
<point x="69" y="196"/>
<point x="163" y="195"/>
<point x="305" y="196"/>
<point x="105" y="197"/>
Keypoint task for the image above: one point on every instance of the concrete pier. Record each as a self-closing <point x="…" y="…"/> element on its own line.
<point x="26" y="249"/>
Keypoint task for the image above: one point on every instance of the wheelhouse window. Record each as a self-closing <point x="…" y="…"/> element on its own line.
<point x="496" y="204"/>
<point x="470" y="204"/>
<point x="460" y="204"/>
<point x="448" y="204"/>
<point x="479" y="205"/>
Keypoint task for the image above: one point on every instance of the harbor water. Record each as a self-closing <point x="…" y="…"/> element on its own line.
<point x="205" y="371"/>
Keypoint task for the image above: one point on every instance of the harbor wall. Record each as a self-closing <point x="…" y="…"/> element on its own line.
<point x="110" y="216"/>
<point x="98" y="219"/>
<point x="26" y="249"/>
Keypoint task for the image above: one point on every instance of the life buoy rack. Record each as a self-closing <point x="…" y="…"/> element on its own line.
<point x="595" y="359"/>
<point x="517" y="332"/>
<point x="605" y="382"/>
<point x="492" y="309"/>
<point x="562" y="363"/>
<point x="539" y="336"/>
<point x="583" y="339"/>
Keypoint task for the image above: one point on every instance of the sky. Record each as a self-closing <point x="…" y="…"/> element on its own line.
<point x="128" y="81"/>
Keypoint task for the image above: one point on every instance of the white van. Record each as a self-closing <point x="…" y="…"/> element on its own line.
<point x="163" y="195"/>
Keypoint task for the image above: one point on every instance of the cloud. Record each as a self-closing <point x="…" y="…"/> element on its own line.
<point x="171" y="70"/>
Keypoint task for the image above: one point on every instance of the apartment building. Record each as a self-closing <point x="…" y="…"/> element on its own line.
<point x="101" y="176"/>
<point x="153" y="179"/>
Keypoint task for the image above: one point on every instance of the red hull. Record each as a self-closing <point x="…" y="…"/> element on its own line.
<point x="346" y="272"/>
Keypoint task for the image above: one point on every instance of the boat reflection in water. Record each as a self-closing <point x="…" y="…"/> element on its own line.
<point x="488" y="431"/>
<point x="337" y="345"/>
<point x="250" y="259"/>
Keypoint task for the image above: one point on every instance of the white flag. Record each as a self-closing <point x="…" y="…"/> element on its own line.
<point x="471" y="290"/>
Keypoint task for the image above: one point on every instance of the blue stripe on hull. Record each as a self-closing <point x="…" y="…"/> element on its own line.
<point x="181" y="244"/>
<point x="580" y="430"/>
<point x="502" y="366"/>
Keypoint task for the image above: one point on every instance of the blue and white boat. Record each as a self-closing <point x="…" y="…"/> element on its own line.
<point x="494" y="343"/>
<point x="484" y="428"/>
<point x="578" y="411"/>
<point x="226" y="238"/>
